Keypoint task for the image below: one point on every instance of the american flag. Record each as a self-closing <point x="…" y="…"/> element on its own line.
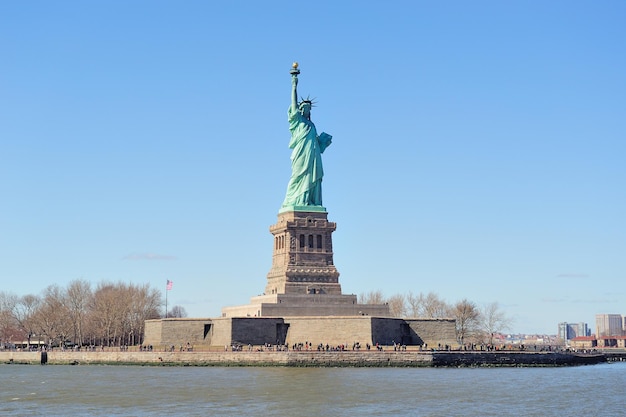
<point x="169" y="285"/>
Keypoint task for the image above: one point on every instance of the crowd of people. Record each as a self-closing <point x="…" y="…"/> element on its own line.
<point x="308" y="346"/>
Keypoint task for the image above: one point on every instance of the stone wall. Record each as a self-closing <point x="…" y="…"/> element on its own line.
<point x="387" y="331"/>
<point x="278" y="310"/>
<point x="514" y="359"/>
<point x="433" y="332"/>
<point x="255" y="358"/>
<point x="290" y="305"/>
<point x="257" y="331"/>
<point x="332" y="330"/>
<point x="176" y="332"/>
<point x="311" y="358"/>
<point x="206" y="333"/>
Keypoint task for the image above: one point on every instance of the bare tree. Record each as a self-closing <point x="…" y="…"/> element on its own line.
<point x="397" y="305"/>
<point x="177" y="312"/>
<point x="125" y="324"/>
<point x="112" y="314"/>
<point x="145" y="304"/>
<point x="467" y="317"/>
<point x="118" y="312"/>
<point x="24" y="314"/>
<point x="493" y="320"/>
<point x="434" y="307"/>
<point x="106" y="313"/>
<point x="8" y="324"/>
<point x="52" y="317"/>
<point x="414" y="304"/>
<point x="372" y="297"/>
<point x="77" y="302"/>
<point x="428" y="306"/>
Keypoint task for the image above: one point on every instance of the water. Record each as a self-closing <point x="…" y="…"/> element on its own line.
<point x="207" y="391"/>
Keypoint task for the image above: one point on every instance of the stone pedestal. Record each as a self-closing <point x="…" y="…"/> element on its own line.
<point x="298" y="305"/>
<point x="302" y="261"/>
<point x="303" y="280"/>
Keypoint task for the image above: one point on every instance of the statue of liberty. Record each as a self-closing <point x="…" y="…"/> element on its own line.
<point x="305" y="184"/>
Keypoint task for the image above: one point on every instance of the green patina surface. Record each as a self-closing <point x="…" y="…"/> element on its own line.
<point x="305" y="185"/>
<point x="317" y="209"/>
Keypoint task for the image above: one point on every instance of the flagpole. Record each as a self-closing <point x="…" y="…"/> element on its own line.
<point x="166" y="298"/>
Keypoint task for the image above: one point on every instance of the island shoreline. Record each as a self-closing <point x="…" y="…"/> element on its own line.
<point x="308" y="358"/>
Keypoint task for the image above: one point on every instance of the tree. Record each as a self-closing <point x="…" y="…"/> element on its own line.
<point x="372" y="297"/>
<point x="24" y="314"/>
<point x="112" y="314"/>
<point x="427" y="306"/>
<point x="492" y="321"/>
<point x="8" y="324"/>
<point x="52" y="317"/>
<point x="397" y="305"/>
<point x="106" y="313"/>
<point x="414" y="303"/>
<point x="467" y="316"/>
<point x="118" y="312"/>
<point x="434" y="307"/>
<point x="145" y="304"/>
<point x="78" y="298"/>
<point x="177" y="312"/>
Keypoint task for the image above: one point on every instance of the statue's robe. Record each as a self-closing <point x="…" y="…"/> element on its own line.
<point x="305" y="185"/>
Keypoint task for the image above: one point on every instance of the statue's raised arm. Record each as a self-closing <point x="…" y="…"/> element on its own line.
<point x="304" y="191"/>
<point x="294" y="85"/>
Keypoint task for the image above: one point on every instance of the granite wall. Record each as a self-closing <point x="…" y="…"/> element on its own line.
<point x="331" y="330"/>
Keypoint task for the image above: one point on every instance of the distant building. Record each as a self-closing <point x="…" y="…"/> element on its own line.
<point x="582" y="329"/>
<point x="565" y="331"/>
<point x="609" y="325"/>
<point x="584" y="342"/>
<point x="612" y="341"/>
<point x="568" y="331"/>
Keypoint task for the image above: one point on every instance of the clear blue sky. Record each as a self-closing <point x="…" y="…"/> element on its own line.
<point x="478" y="147"/>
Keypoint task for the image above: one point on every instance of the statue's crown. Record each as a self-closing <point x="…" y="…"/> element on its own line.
<point x="308" y="100"/>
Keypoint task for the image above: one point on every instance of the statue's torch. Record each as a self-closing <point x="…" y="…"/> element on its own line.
<point x="294" y="69"/>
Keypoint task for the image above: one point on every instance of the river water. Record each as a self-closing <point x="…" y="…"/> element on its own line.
<point x="213" y="391"/>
